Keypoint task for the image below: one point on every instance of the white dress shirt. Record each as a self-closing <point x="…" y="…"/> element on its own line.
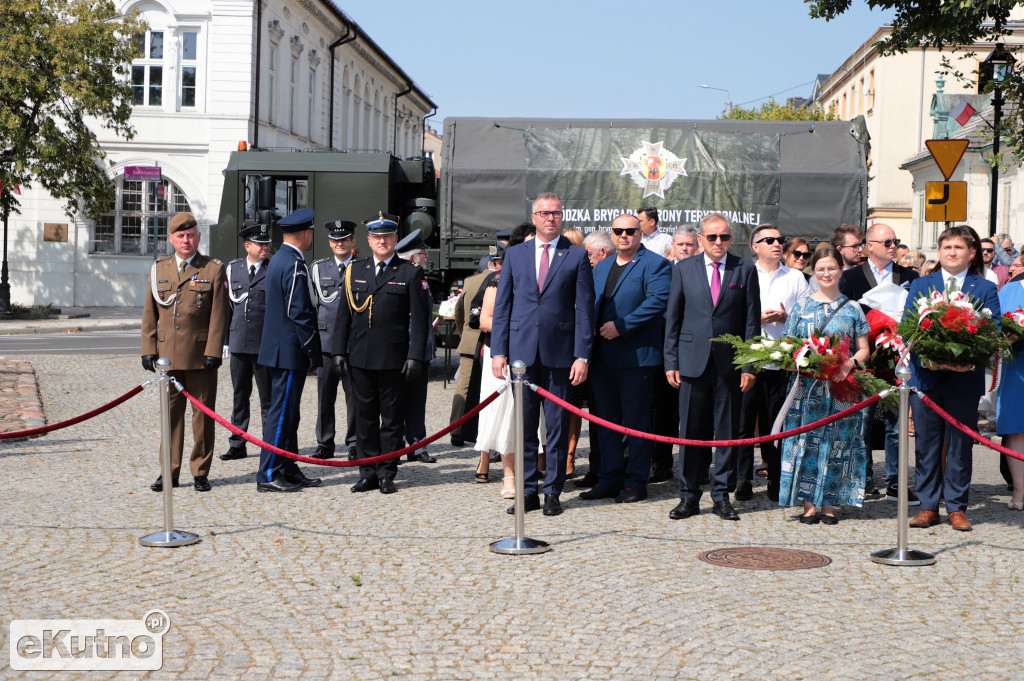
<point x="960" y="276"/>
<point x="540" y="253"/>
<point x="711" y="270"/>
<point x="178" y="261"/>
<point x="781" y="288"/>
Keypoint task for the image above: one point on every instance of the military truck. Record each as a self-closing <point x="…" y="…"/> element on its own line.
<point x="807" y="177"/>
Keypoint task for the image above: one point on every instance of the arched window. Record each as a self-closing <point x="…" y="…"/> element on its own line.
<point x="140" y="206"/>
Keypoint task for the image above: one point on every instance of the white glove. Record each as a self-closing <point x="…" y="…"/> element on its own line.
<point x="224" y="353"/>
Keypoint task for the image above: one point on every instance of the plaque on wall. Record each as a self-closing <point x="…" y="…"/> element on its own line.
<point x="55" y="231"/>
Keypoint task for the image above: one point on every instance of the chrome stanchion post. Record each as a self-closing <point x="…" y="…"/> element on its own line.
<point x="520" y="544"/>
<point x="901" y="555"/>
<point x="169" y="537"/>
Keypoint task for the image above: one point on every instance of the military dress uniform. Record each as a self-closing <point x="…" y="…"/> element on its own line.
<point x="247" y="293"/>
<point x="326" y="278"/>
<point x="185" y="319"/>
<point x="416" y="401"/>
<point x="290" y="346"/>
<point x="382" y="331"/>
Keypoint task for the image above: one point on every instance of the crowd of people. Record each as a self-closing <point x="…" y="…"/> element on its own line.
<point x="619" y="321"/>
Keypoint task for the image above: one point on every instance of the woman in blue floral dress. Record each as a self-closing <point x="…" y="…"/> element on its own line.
<point x="824" y="467"/>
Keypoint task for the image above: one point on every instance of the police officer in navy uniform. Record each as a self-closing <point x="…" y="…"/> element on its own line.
<point x="246" y="279"/>
<point x="413" y="249"/>
<point x="381" y="338"/>
<point x="289" y="348"/>
<point x="326" y="276"/>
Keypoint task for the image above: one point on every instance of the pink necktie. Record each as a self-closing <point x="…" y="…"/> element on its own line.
<point x="716" y="283"/>
<point x="543" y="268"/>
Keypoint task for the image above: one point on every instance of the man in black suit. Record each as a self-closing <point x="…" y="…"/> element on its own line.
<point x="381" y="337"/>
<point x="326" y="276"/>
<point x="246" y="279"/>
<point x="880" y="268"/>
<point x="712" y="294"/>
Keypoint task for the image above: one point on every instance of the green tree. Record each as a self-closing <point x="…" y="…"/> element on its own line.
<point x="947" y="23"/>
<point x="773" y="111"/>
<point x="63" y="73"/>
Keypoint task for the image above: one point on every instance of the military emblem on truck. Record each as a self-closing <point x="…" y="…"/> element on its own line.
<point x="653" y="168"/>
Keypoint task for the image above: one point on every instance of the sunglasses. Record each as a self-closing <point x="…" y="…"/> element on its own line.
<point x="860" y="245"/>
<point x="887" y="243"/>
<point x="725" y="238"/>
<point x="988" y="250"/>
<point x="771" y="240"/>
<point x="628" y="231"/>
<point x="801" y="254"/>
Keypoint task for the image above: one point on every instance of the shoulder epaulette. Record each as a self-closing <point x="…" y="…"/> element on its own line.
<point x="235" y="260"/>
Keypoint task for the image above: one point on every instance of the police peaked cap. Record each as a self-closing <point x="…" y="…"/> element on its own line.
<point x="340" y="229"/>
<point x="258" y="233"/>
<point x="298" y="221"/>
<point x="383" y="223"/>
<point x="412" y="242"/>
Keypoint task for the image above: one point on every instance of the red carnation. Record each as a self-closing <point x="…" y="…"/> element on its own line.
<point x="971" y="328"/>
<point x="926" y="324"/>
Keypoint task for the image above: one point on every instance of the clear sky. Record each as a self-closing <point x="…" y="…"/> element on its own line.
<point x="599" y="58"/>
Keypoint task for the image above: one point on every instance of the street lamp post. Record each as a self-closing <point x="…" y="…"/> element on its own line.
<point x="728" y="97"/>
<point x="995" y="68"/>
<point x="5" y="206"/>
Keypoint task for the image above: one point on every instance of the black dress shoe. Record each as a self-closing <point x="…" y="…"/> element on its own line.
<point x="631" y="496"/>
<point x="457" y="441"/>
<point x="588" y="480"/>
<point x="552" y="506"/>
<point x="661" y="474"/>
<point x="724" y="510"/>
<point x="232" y="454"/>
<point x="278" y="485"/>
<point x="158" y="486"/>
<point x="809" y="519"/>
<point x="301" y="478"/>
<point x="366" y="485"/>
<point x="828" y="519"/>
<point x="201" y="483"/>
<point x="323" y="452"/>
<point x="744" y="491"/>
<point x="599" y="492"/>
<point x="422" y="457"/>
<point x="685" y="509"/>
<point x="351" y="453"/>
<point x="531" y="502"/>
<point x="387" y="486"/>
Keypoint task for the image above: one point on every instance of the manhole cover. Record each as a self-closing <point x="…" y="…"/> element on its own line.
<point x="761" y="558"/>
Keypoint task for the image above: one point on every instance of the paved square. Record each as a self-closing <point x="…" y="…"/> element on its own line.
<point x="328" y="584"/>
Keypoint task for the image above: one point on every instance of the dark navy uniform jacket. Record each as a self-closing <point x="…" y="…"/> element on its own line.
<point x="394" y="327"/>
<point x="328" y="290"/>
<point x="290" y="337"/>
<point x="248" y="306"/>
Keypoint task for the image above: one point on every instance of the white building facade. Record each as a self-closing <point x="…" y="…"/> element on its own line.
<point x="196" y="98"/>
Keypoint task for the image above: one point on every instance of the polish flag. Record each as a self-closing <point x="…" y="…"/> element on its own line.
<point x="962" y="112"/>
<point x="16" y="188"/>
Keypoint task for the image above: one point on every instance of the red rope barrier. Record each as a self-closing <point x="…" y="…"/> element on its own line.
<point x="78" y="419"/>
<point x="965" y="430"/>
<point x="703" y="443"/>
<point x="340" y="463"/>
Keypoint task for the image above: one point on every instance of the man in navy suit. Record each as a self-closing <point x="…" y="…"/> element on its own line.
<point x="711" y="294"/>
<point x="631" y="294"/>
<point x="290" y="347"/>
<point x="543" y="316"/>
<point x="955" y="388"/>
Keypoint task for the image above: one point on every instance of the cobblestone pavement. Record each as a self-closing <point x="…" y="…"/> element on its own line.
<point x="329" y="584"/>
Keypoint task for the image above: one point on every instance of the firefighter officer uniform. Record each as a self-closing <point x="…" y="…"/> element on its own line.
<point x="246" y="279"/>
<point x="380" y="338"/>
<point x="326" y="276"/>
<point x="290" y="346"/>
<point x="185" y="319"/>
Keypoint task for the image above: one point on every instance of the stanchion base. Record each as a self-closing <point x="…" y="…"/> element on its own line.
<point x="519" y="547"/>
<point x="905" y="557"/>
<point x="170" y="539"/>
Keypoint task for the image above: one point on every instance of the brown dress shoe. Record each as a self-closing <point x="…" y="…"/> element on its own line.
<point x="959" y="521"/>
<point x="926" y="519"/>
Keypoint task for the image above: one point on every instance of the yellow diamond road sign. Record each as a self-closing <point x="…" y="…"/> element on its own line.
<point x="945" y="201"/>
<point x="947" y="155"/>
